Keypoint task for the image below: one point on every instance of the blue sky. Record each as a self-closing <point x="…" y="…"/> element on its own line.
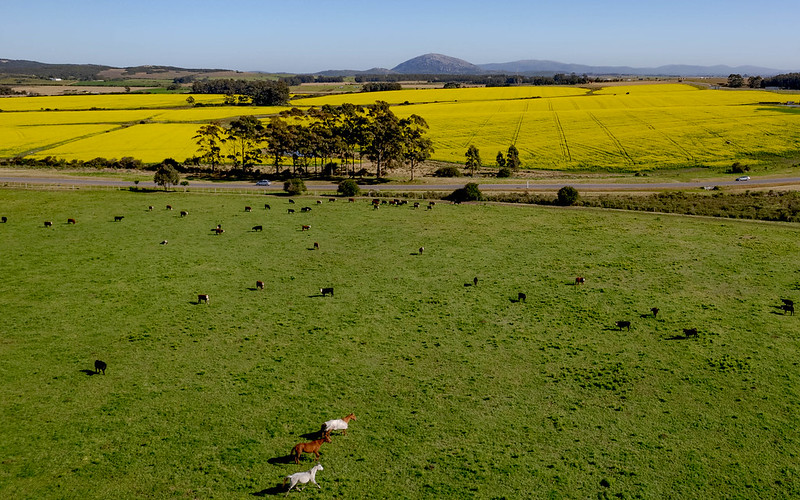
<point x="315" y="35"/>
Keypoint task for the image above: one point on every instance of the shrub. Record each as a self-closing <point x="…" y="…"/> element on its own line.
<point x="294" y="186"/>
<point x="448" y="172"/>
<point x="504" y="172"/>
<point x="567" y="195"/>
<point x="469" y="192"/>
<point x="349" y="187"/>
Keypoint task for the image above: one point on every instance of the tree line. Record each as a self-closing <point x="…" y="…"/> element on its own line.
<point x="316" y="137"/>
<point x="497" y="80"/>
<point x="257" y="92"/>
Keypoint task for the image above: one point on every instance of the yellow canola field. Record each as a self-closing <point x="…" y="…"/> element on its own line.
<point x="637" y="127"/>
<point x="150" y="142"/>
<point x="616" y="130"/>
<point x="417" y="96"/>
<point x="18" y="140"/>
<point x="104" y="101"/>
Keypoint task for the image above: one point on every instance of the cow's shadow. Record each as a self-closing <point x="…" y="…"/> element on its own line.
<point x="88" y="372"/>
<point x="317" y="295"/>
<point x="252" y="289"/>
<point x="679" y="337"/>
<point x="275" y="490"/>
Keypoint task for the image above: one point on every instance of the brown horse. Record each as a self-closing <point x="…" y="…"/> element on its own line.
<point x="312" y="447"/>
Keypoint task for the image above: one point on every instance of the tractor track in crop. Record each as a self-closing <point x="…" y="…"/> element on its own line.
<point x="613" y="138"/>
<point x="561" y="135"/>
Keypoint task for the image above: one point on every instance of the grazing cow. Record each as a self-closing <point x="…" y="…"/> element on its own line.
<point x="654" y="310"/>
<point x="259" y="285"/>
<point x="4" y="219"/>
<point x="248" y="209"/>
<point x="302" y="478"/>
<point x="788" y="308"/>
<point x="788" y="302"/>
<point x="429" y="207"/>
<point x="580" y="280"/>
<point x="47" y="223"/>
<point x="267" y="207"/>
<point x="184" y="213"/>
<point x="375" y="207"/>
<point x="118" y="218"/>
<point x="421" y="249"/>
<point x="431" y="203"/>
<point x="169" y="207"/>
<point x="218" y="230"/>
<point x="376" y="201"/>
<point x="71" y="221"/>
<point x="312" y="447"/>
<point x="164" y="242"/>
<point x="258" y="228"/>
<point x="291" y="200"/>
<point x="305" y="227"/>
<point x="150" y="208"/>
<point x="99" y="366"/>
<point x="690" y="332"/>
<point x="521" y="297"/>
<point x="475" y="281"/>
<point x="291" y="210"/>
<point x="416" y="204"/>
<point x="351" y="200"/>
<point x="624" y="324"/>
<point x="202" y="298"/>
<point x="331" y="199"/>
<point x="340" y="424"/>
<point x="326" y="291"/>
<point x="316" y="246"/>
<point x="305" y="209"/>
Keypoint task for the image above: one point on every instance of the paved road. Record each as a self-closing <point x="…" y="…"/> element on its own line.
<point x="535" y="186"/>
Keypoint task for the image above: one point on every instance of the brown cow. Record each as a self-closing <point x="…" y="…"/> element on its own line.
<point x="305" y="228"/>
<point x="169" y="207"/>
<point x="316" y="246"/>
<point x="259" y="285"/>
<point x="218" y="230"/>
<point x="71" y="221"/>
<point x="580" y="280"/>
<point x="248" y="209"/>
<point x="351" y="200"/>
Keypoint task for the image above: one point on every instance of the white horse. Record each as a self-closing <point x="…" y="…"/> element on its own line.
<point x="302" y="478"/>
<point x="340" y="424"/>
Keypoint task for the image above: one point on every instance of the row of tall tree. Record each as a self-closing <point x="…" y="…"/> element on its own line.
<point x="257" y="92"/>
<point x="317" y="136"/>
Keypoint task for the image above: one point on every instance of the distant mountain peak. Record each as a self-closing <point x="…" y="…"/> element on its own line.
<point x="436" y="64"/>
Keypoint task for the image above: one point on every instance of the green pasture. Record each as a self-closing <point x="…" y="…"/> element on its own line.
<point x="459" y="391"/>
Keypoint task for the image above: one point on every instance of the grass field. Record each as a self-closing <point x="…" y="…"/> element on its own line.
<point x="618" y="128"/>
<point x="460" y="391"/>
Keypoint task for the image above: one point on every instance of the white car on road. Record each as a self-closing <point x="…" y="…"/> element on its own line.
<point x="263" y="182"/>
<point x="743" y="178"/>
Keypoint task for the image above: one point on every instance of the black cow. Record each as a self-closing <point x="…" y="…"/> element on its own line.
<point x="118" y="218"/>
<point x="624" y="324"/>
<point x="788" y="308"/>
<point x="690" y="332"/>
<point x="326" y="291"/>
<point x="100" y="366"/>
<point x="521" y="297"/>
<point x="258" y="228"/>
